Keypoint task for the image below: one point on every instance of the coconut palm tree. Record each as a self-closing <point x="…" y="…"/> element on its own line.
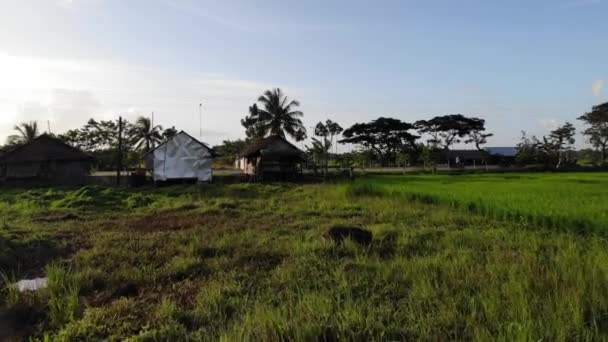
<point x="277" y="115"/>
<point x="147" y="135"/>
<point x="28" y="131"/>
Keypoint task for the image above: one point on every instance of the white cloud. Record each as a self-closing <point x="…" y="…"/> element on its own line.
<point x="68" y="92"/>
<point x="549" y="124"/>
<point x="597" y="88"/>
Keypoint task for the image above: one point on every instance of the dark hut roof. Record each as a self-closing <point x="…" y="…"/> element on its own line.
<point x="262" y="144"/>
<point x="502" y="151"/>
<point x="465" y="154"/>
<point x="44" y="148"/>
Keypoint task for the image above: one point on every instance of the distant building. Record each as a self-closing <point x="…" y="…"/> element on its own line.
<point x="180" y="157"/>
<point x="46" y="159"/>
<point x="504" y="156"/>
<point x="464" y="157"/>
<point x="272" y="158"/>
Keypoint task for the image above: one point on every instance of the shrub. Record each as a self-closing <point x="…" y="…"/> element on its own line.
<point x="63" y="288"/>
<point x="364" y="190"/>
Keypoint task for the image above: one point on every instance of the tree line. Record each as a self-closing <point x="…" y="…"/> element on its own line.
<point x="389" y="141"/>
<point x="383" y="141"/>
<point x="100" y="139"/>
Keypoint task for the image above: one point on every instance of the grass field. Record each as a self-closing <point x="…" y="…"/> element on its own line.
<point x="527" y="261"/>
<point x="573" y="201"/>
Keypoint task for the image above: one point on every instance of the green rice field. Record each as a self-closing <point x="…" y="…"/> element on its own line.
<point x="491" y="257"/>
<point x="574" y="201"/>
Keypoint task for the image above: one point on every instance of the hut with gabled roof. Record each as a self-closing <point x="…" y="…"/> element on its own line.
<point x="46" y="159"/>
<point x="272" y="158"/>
<point x="181" y="157"/>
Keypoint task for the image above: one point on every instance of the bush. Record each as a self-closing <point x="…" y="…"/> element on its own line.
<point x="364" y="190"/>
<point x="63" y="288"/>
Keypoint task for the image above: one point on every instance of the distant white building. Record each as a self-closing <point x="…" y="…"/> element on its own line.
<point x="180" y="157"/>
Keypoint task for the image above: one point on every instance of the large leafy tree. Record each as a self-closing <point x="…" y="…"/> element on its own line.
<point x="26" y="132"/>
<point x="597" y="129"/>
<point x="253" y="128"/>
<point x="169" y="133"/>
<point x="146" y="134"/>
<point x="385" y="136"/>
<point x="450" y="129"/>
<point x="98" y="135"/>
<point x="276" y="115"/>
<point x="100" y="138"/>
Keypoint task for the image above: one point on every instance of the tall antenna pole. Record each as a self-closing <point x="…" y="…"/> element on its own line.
<point x="152" y="119"/>
<point x="200" y="120"/>
<point x="48" y="125"/>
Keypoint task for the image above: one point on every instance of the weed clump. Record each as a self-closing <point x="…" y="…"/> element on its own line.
<point x="364" y="190"/>
<point x="63" y="288"/>
<point x="90" y="197"/>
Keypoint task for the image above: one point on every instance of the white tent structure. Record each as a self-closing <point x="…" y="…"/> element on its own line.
<point x="180" y="157"/>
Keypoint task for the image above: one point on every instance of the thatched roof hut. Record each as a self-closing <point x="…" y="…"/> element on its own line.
<point x="272" y="158"/>
<point x="46" y="158"/>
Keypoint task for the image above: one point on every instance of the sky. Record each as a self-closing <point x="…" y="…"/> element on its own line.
<point x="521" y="65"/>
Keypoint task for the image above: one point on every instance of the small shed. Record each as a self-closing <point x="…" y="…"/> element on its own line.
<point x="272" y="158"/>
<point x="47" y="159"/>
<point x="180" y="157"/>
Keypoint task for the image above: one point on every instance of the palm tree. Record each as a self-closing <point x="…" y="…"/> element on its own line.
<point x="28" y="131"/>
<point x="147" y="136"/>
<point x="278" y="116"/>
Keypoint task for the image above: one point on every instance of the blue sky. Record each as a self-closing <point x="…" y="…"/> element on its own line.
<point x="521" y="65"/>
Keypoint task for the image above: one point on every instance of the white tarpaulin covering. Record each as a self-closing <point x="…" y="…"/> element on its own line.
<point x="182" y="157"/>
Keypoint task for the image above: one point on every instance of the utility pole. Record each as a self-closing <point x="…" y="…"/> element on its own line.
<point x="119" y="159"/>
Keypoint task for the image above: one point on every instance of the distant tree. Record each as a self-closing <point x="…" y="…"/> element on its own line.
<point x="169" y="133"/>
<point x="276" y="117"/>
<point x="478" y="137"/>
<point x="560" y="141"/>
<point x="100" y="138"/>
<point x="321" y="146"/>
<point x="447" y="130"/>
<point x="228" y="150"/>
<point x="588" y="156"/>
<point x="386" y="136"/>
<point x="146" y="134"/>
<point x="528" y="150"/>
<point x="27" y="131"/>
<point x="429" y="155"/>
<point x="597" y="129"/>
<point x="253" y="129"/>
<point x="363" y="158"/>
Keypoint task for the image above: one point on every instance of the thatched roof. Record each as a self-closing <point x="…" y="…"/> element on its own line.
<point x="44" y="148"/>
<point x="258" y="147"/>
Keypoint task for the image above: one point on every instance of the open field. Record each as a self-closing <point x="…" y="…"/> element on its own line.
<point x="249" y="261"/>
<point x="573" y="201"/>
